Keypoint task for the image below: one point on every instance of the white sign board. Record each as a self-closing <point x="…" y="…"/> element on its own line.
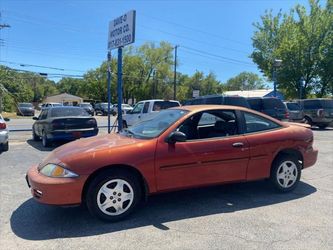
<point x="196" y="93"/>
<point x="122" y="30"/>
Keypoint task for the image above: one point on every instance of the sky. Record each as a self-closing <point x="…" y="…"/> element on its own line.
<point x="213" y="36"/>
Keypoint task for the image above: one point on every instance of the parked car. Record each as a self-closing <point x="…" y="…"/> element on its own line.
<point x="63" y="124"/>
<point x="271" y="106"/>
<point x="177" y="148"/>
<point x="296" y="114"/>
<point x="317" y="112"/>
<point x="4" y="144"/>
<point x="87" y="107"/>
<point x="124" y="107"/>
<point x="219" y="100"/>
<point x="143" y="109"/>
<point x="102" y="108"/>
<point x="50" y="105"/>
<point x="25" y="109"/>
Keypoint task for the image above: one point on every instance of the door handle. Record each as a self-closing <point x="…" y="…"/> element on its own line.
<point x="238" y="144"/>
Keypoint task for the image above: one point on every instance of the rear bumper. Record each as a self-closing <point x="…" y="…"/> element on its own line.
<point x="55" y="191"/>
<point x="3" y="137"/>
<point x="71" y="134"/>
<point x="310" y="157"/>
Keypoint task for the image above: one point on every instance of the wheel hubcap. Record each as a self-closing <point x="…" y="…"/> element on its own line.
<point x="115" y="197"/>
<point x="287" y="174"/>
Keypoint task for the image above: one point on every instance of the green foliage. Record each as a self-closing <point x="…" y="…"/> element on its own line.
<point x="303" y="40"/>
<point x="245" y="81"/>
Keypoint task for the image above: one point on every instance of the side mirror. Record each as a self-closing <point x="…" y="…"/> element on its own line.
<point x="34" y="118"/>
<point x="176" y="136"/>
<point x="6" y="119"/>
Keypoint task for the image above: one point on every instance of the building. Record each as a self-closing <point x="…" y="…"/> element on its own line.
<point x="256" y="93"/>
<point x="65" y="99"/>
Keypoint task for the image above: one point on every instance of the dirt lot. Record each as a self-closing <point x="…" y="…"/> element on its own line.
<point x="238" y="216"/>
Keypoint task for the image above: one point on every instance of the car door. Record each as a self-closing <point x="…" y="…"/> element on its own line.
<point x="135" y="115"/>
<point x="40" y="123"/>
<point x="215" y="156"/>
<point x="264" y="138"/>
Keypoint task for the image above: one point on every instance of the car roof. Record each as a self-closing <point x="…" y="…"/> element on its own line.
<point x="158" y="100"/>
<point x="203" y="107"/>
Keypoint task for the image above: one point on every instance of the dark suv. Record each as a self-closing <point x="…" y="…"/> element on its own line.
<point x="101" y="108"/>
<point x="219" y="100"/>
<point x="271" y="106"/>
<point x="318" y="112"/>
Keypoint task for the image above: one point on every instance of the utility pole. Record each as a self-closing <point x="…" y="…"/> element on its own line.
<point x="175" y="74"/>
<point x="109" y="90"/>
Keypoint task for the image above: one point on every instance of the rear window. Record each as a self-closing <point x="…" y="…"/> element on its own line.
<point x="63" y="112"/>
<point x="236" y="101"/>
<point x="255" y="104"/>
<point x="328" y="104"/>
<point x="272" y="103"/>
<point x="25" y="105"/>
<point x="293" y="106"/>
<point x="312" y="104"/>
<point x="214" y="100"/>
<point x="158" y="105"/>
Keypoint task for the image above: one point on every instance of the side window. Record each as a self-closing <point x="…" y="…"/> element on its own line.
<point x="43" y="115"/>
<point x="138" y="108"/>
<point x="145" y="108"/>
<point x="256" y="123"/>
<point x="210" y="124"/>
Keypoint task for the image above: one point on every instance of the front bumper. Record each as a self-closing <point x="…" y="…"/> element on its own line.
<point x="55" y="191"/>
<point x="310" y="157"/>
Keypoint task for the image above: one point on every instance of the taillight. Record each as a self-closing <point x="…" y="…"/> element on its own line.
<point x="320" y="112"/>
<point x="3" y="125"/>
<point x="286" y="115"/>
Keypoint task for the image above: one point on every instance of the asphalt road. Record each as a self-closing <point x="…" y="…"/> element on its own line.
<point x="237" y="216"/>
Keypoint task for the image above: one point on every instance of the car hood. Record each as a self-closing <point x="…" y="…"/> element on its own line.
<point x="88" y="148"/>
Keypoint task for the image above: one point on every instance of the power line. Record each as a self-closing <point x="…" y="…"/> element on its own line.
<point x="226" y="59"/>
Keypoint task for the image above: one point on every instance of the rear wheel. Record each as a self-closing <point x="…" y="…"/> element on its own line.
<point x="322" y="126"/>
<point x="113" y="195"/>
<point x="285" y="173"/>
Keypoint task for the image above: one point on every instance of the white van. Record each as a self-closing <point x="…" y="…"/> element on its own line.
<point x="144" y="108"/>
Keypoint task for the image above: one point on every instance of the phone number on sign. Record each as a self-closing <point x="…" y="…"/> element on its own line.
<point x="121" y="41"/>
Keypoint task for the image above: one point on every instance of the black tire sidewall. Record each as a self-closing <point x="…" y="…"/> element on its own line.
<point x="99" y="181"/>
<point x="277" y="162"/>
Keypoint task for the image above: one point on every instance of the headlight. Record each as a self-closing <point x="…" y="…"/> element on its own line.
<point x="53" y="170"/>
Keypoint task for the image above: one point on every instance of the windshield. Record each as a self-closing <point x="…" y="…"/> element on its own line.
<point x="156" y="125"/>
<point x="63" y="112"/>
<point x="293" y="106"/>
<point x="25" y="105"/>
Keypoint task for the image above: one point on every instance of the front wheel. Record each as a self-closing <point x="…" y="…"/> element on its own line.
<point x="113" y="195"/>
<point x="285" y="173"/>
<point x="45" y="141"/>
<point x="5" y="147"/>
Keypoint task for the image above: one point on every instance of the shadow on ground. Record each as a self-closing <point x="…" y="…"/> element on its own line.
<point x="39" y="146"/>
<point x="33" y="221"/>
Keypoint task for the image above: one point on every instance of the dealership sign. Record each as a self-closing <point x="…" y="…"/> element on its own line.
<point x="122" y="30"/>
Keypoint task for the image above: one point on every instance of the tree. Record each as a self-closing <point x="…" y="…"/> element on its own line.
<point x="302" y="41"/>
<point x="245" y="81"/>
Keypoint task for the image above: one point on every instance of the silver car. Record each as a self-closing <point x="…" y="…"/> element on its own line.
<point x="3" y="134"/>
<point x="296" y="114"/>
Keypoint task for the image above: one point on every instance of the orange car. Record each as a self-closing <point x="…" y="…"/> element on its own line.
<point x="177" y="148"/>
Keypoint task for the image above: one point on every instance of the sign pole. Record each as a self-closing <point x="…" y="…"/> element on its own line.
<point x="109" y="92"/>
<point x="120" y="88"/>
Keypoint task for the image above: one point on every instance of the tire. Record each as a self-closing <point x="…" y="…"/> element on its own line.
<point x="307" y="120"/>
<point x="285" y="173"/>
<point x="124" y="124"/>
<point x="105" y="190"/>
<point x="322" y="126"/>
<point x="45" y="141"/>
<point x="34" y="136"/>
<point x="5" y="147"/>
